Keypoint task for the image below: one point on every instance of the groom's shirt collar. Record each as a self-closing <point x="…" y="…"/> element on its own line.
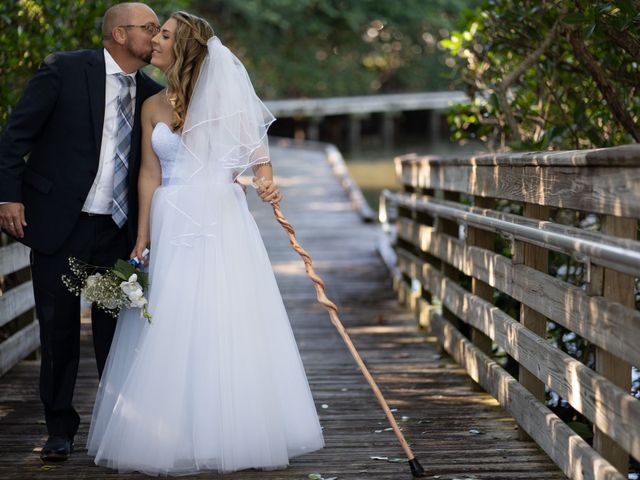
<point x="112" y="66"/>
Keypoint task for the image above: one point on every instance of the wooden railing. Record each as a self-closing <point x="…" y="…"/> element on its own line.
<point x="19" y="328"/>
<point x="451" y="216"/>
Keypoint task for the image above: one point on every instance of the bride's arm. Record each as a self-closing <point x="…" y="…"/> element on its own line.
<point x="149" y="178"/>
<point x="263" y="178"/>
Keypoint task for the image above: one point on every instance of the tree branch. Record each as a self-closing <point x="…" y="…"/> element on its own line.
<point x="623" y="40"/>
<point x="530" y="59"/>
<point x="604" y="85"/>
<point x="502" y="87"/>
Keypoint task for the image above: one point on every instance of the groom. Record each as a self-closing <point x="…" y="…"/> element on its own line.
<point x="78" y="121"/>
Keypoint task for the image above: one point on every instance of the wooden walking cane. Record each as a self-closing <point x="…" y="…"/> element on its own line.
<point x="416" y="468"/>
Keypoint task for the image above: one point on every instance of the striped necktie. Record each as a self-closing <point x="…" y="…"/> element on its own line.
<point x="124" y="120"/>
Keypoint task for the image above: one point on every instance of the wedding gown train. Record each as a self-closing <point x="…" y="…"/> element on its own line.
<point x="215" y="381"/>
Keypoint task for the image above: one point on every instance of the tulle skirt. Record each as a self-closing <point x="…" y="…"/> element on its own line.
<point x="215" y="381"/>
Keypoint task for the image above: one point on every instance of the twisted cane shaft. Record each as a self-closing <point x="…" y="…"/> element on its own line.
<point x="335" y="320"/>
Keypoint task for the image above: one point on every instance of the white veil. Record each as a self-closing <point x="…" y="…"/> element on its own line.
<point x="225" y="130"/>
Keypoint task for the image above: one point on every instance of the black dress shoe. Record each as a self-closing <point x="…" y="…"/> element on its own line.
<point x="57" y="449"/>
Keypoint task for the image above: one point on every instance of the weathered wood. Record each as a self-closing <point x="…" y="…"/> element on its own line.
<point x="609" y="325"/>
<point x="601" y="189"/>
<point x="366" y="103"/>
<point x="18" y="346"/>
<point x="620" y="254"/>
<point x="15" y="302"/>
<point x="13" y="257"/>
<point x="570" y="452"/>
<point x="620" y="156"/>
<point x="482" y="239"/>
<point x="590" y="393"/>
<point x="617" y="287"/>
<point x="538" y="258"/>
<point x="429" y="390"/>
<point x="449" y="228"/>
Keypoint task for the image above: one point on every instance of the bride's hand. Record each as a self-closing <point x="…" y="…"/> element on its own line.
<point x="139" y="251"/>
<point x="268" y="190"/>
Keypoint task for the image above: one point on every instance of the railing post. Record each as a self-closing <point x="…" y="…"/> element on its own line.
<point x="616" y="287"/>
<point x="538" y="258"/>
<point x="483" y="239"/>
<point x="450" y="228"/>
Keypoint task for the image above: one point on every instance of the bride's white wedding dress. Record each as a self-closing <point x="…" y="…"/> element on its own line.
<point x="215" y="381"/>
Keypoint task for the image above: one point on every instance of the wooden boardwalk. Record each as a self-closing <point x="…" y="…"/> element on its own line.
<point x="456" y="433"/>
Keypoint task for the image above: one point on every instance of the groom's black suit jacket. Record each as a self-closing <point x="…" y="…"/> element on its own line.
<point x="58" y="123"/>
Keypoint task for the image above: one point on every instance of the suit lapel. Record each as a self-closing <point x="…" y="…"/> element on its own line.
<point x="96" y="82"/>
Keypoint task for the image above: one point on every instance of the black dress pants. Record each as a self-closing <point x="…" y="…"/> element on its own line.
<point x="96" y="240"/>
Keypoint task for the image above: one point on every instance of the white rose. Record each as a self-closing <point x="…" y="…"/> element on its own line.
<point x="131" y="286"/>
<point x="135" y="294"/>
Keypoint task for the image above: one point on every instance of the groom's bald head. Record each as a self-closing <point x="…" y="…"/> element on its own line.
<point x="128" y="13"/>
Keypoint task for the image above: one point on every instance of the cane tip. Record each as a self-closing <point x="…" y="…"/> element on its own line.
<point x="416" y="468"/>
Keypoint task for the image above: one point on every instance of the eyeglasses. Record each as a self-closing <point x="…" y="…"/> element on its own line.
<point x="150" y="28"/>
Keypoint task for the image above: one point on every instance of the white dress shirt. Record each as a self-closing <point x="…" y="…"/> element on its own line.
<point x="100" y="196"/>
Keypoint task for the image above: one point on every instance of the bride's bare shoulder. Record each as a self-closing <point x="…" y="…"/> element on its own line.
<point x="156" y="106"/>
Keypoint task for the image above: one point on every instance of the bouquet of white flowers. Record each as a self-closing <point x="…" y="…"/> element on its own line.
<point x="111" y="289"/>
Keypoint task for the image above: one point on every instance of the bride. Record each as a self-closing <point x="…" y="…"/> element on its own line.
<point x="215" y="381"/>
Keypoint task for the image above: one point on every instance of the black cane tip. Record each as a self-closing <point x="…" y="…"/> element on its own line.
<point x="416" y="468"/>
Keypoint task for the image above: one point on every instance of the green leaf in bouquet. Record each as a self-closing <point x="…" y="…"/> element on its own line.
<point x="123" y="269"/>
<point x="143" y="279"/>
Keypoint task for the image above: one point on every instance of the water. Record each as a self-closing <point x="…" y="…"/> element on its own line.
<point x="373" y="169"/>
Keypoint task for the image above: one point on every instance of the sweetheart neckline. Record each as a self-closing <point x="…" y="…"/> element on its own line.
<point x="166" y="126"/>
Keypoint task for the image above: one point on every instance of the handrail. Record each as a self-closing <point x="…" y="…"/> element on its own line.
<point x="607" y="252"/>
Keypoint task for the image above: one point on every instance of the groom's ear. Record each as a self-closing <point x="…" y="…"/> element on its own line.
<point x="119" y="35"/>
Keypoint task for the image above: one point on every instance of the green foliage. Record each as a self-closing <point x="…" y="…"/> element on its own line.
<point x="312" y="48"/>
<point x="557" y="101"/>
<point x="30" y="30"/>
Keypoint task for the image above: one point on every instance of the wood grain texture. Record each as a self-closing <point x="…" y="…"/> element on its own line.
<point x="16" y="301"/>
<point x="18" y="346"/>
<point x="434" y="403"/>
<point x="574" y="456"/>
<point x="537" y="258"/>
<point x="607" y="324"/>
<point x="13" y="257"/>
<point x="601" y="189"/>
<point x="612" y="408"/>
<point x="620" y="156"/>
<point x="620" y="288"/>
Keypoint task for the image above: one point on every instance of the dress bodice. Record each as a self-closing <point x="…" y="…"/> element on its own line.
<point x="165" y="144"/>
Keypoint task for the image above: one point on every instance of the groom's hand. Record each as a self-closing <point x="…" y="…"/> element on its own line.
<point x="12" y="218"/>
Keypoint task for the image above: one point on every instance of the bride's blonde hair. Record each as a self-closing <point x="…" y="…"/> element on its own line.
<point x="189" y="51"/>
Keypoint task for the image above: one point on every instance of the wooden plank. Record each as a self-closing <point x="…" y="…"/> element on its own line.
<point x="15" y="302"/>
<point x="619" y="288"/>
<point x="537" y="258"/>
<point x="620" y="156"/>
<point x="602" y="249"/>
<point x="450" y="228"/>
<point x="570" y="452"/>
<point x="607" y="324"/>
<point x="18" y="346"/>
<point x="606" y="190"/>
<point x="601" y="401"/>
<point x="482" y="239"/>
<point x="13" y="257"/>
<point x="366" y="103"/>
